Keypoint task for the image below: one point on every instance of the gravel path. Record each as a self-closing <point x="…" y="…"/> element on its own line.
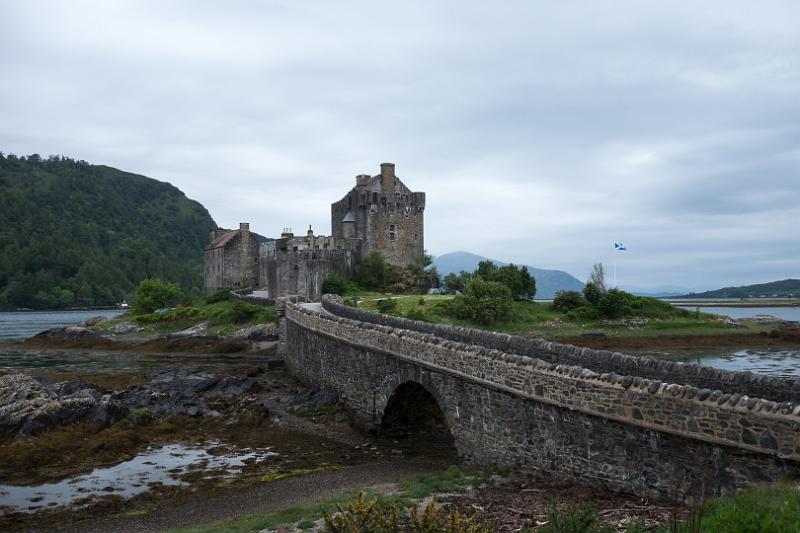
<point x="266" y="497"/>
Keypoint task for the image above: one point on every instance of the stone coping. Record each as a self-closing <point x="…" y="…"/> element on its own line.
<point x="246" y="295"/>
<point x="743" y="382"/>
<point x="736" y="420"/>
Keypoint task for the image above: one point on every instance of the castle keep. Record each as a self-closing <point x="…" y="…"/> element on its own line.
<point x="380" y="214"/>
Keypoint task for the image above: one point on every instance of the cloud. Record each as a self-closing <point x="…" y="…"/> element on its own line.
<point x="541" y="133"/>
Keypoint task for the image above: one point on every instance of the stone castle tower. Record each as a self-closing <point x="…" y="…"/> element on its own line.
<point x="381" y="214"/>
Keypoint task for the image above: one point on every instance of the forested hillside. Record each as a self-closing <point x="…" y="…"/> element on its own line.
<point x="75" y="234"/>
<point x="785" y="288"/>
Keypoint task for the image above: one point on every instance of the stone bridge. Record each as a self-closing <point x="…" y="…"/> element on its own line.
<point x="654" y="428"/>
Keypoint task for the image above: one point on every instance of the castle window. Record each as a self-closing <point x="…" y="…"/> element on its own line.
<point x="374" y="198"/>
<point x="391" y="232"/>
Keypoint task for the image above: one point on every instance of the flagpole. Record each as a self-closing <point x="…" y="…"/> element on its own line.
<point x="614" y="266"/>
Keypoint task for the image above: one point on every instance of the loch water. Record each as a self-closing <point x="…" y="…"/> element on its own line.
<point x="16" y="325"/>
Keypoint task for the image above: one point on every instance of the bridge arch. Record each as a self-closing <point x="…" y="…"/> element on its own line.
<point x="416" y="411"/>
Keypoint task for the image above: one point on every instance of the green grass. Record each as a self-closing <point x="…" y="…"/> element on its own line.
<point x="759" y="509"/>
<point x="224" y="318"/>
<point x="412" y="489"/>
<point x="538" y="319"/>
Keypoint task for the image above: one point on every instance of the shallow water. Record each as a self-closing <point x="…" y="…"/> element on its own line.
<point x="162" y="466"/>
<point x="782" y="363"/>
<point x="784" y="313"/>
<point x="19" y="325"/>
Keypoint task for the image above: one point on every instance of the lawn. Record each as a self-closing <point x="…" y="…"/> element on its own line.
<point x="539" y="319"/>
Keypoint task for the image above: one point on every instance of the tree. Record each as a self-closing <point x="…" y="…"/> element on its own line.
<point x="567" y="300"/>
<point x="592" y="293"/>
<point x="152" y="294"/>
<point x="485" y="302"/>
<point x="598" y="277"/>
<point x="612" y="303"/>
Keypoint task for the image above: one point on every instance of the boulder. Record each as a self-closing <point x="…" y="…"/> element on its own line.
<point x="259" y="332"/>
<point x="89" y="322"/>
<point x="324" y="397"/>
<point x="28" y="404"/>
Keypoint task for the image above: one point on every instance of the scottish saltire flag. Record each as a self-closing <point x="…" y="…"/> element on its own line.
<point x="619" y="246"/>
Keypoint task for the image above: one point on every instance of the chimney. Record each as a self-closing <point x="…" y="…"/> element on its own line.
<point x="387" y="178"/>
<point x="244" y="226"/>
<point x="362" y="179"/>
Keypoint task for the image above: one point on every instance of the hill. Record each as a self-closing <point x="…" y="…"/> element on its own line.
<point x="548" y="282"/>
<point x="75" y="234"/>
<point x="785" y="288"/>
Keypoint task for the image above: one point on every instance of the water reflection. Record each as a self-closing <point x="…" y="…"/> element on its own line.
<point x="157" y="466"/>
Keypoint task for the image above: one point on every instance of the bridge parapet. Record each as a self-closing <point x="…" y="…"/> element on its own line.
<point x="601" y="361"/>
<point x="623" y="432"/>
<point x="734" y="420"/>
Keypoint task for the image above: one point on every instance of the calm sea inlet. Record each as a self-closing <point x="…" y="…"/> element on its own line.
<point x="19" y="325"/>
<point x="784" y="313"/>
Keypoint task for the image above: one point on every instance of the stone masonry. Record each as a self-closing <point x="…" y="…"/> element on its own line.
<point x="380" y="214"/>
<point x="545" y="413"/>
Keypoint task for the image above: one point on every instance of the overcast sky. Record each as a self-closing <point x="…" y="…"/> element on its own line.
<point x="541" y="131"/>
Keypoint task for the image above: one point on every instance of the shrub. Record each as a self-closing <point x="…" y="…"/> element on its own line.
<point x="417" y="314"/>
<point x="220" y="295"/>
<point x="583" y="519"/>
<point x="338" y="285"/>
<point x="484" y="302"/>
<point x="387" y="305"/>
<point x="152" y="294"/>
<point x="567" y="300"/>
<point x="592" y="292"/>
<point x="362" y="516"/>
<point x="612" y="303"/>
<point x="241" y="311"/>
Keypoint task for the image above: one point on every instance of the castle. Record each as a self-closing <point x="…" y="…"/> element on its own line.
<point x="380" y="214"/>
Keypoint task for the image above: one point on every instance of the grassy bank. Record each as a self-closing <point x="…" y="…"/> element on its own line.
<point x="539" y="319"/>
<point x="223" y="316"/>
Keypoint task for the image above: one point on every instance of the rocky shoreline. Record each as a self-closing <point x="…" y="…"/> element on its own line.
<point x="261" y="337"/>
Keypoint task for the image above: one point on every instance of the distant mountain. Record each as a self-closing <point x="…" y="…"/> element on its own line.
<point x="548" y="282"/>
<point x="786" y="288"/>
<point x="75" y="234"/>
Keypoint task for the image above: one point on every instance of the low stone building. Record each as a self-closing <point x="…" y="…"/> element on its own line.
<point x="380" y="214"/>
<point x="231" y="259"/>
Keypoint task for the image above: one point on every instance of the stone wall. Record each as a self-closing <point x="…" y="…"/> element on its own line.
<point x="756" y="385"/>
<point x="302" y="272"/>
<point x="624" y="432"/>
<point x="232" y="261"/>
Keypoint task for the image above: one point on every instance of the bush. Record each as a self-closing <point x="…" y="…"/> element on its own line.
<point x="361" y="516"/>
<point x="583" y="519"/>
<point x="387" y="305"/>
<point x="338" y="285"/>
<point x="220" y="295"/>
<point x="567" y="300"/>
<point x="484" y="302"/>
<point x="612" y="303"/>
<point x="152" y="294"/>
<point x="417" y="314"/>
<point x="592" y="293"/>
